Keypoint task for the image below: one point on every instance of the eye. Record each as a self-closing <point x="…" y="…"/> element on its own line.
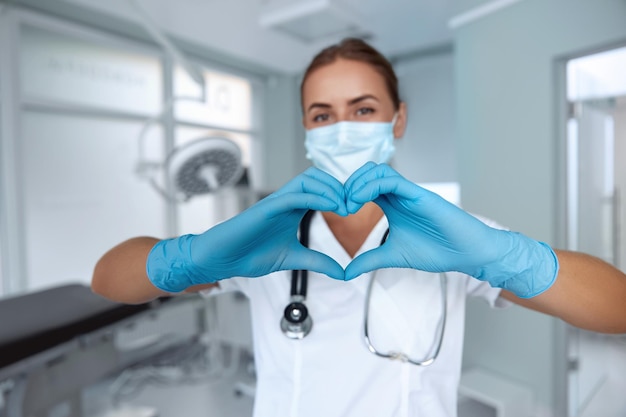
<point x="363" y="111"/>
<point x="321" y="118"/>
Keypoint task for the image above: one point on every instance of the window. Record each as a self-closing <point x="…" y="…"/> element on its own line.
<point x="63" y="69"/>
<point x="225" y="110"/>
<point x="84" y="97"/>
<point x="227" y="102"/>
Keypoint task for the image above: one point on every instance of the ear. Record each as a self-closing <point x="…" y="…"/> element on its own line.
<point x="400" y="126"/>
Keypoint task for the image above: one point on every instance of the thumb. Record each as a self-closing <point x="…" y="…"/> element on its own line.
<point x="307" y="259"/>
<point x="371" y="260"/>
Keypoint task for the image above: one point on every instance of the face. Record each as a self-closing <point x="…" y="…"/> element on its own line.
<point x="348" y="90"/>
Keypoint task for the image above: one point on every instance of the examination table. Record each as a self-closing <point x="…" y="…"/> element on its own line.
<point x="55" y="342"/>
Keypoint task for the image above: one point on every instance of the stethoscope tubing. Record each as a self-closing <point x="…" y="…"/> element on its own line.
<point x="298" y="329"/>
<point x="443" y="282"/>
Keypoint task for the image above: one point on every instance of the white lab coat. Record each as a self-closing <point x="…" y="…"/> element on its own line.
<point x="330" y="372"/>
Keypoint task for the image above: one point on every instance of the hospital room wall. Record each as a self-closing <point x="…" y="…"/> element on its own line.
<point x="426" y="152"/>
<point x="462" y="6"/>
<point x="283" y="152"/>
<point x="509" y="156"/>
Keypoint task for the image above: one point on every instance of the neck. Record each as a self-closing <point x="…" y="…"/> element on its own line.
<point x="351" y="231"/>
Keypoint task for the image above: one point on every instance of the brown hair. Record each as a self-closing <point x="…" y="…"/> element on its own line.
<point x="357" y="50"/>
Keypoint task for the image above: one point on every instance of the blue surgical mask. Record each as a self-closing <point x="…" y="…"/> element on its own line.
<point x="342" y="148"/>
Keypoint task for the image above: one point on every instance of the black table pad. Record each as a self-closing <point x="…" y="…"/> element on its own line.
<point x="34" y="322"/>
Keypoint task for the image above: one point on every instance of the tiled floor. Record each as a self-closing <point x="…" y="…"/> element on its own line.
<point x="215" y="398"/>
<point x="218" y="398"/>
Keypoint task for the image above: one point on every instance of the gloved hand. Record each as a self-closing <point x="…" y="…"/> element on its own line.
<point x="428" y="233"/>
<point x="260" y="240"/>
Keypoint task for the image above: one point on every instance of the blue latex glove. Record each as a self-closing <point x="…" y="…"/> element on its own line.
<point x="258" y="241"/>
<point x="428" y="233"/>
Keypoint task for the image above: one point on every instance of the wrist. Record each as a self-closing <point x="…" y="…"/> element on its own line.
<point x="170" y="266"/>
<point x="526" y="267"/>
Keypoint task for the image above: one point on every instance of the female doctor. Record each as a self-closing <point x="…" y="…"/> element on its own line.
<point x="434" y="254"/>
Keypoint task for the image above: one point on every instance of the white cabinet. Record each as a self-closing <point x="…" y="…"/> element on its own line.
<point x="483" y="394"/>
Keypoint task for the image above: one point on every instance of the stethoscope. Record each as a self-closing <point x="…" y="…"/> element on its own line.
<point x="297" y="323"/>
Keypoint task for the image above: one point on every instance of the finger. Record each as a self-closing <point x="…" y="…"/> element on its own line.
<point x="371" y="260"/>
<point x="314" y="180"/>
<point x="307" y="259"/>
<point x="317" y="182"/>
<point x="299" y="201"/>
<point x="368" y="172"/>
<point x="361" y="178"/>
<point x="325" y="178"/>
<point x="358" y="173"/>
<point x="374" y="188"/>
<point x="351" y="206"/>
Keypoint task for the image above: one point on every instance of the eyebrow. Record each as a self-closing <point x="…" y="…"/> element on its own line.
<point x="361" y="98"/>
<point x="350" y="103"/>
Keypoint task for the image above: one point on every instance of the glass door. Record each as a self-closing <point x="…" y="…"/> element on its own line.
<point x="596" y="181"/>
<point x="591" y="197"/>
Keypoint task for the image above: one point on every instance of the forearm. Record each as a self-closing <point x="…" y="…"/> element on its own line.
<point x="120" y="274"/>
<point x="588" y="293"/>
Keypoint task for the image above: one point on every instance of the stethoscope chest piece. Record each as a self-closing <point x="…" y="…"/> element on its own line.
<point x="296" y="322"/>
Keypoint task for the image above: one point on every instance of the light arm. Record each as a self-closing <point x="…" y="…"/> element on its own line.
<point x="588" y="293"/>
<point x="120" y="274"/>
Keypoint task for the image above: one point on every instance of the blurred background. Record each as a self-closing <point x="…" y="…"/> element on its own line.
<point x="517" y="111"/>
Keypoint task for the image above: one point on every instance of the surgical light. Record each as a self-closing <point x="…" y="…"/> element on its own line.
<point x="203" y="166"/>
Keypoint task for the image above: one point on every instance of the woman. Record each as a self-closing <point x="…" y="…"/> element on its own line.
<point x="352" y="114"/>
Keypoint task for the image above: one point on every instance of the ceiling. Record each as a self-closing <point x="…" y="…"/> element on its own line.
<point x="232" y="26"/>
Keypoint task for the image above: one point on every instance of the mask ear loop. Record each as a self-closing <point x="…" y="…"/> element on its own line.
<point x="394" y="121"/>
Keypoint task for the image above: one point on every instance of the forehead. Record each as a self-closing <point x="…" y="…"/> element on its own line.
<point x="343" y="80"/>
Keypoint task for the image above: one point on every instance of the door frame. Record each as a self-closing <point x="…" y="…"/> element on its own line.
<point x="565" y="334"/>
